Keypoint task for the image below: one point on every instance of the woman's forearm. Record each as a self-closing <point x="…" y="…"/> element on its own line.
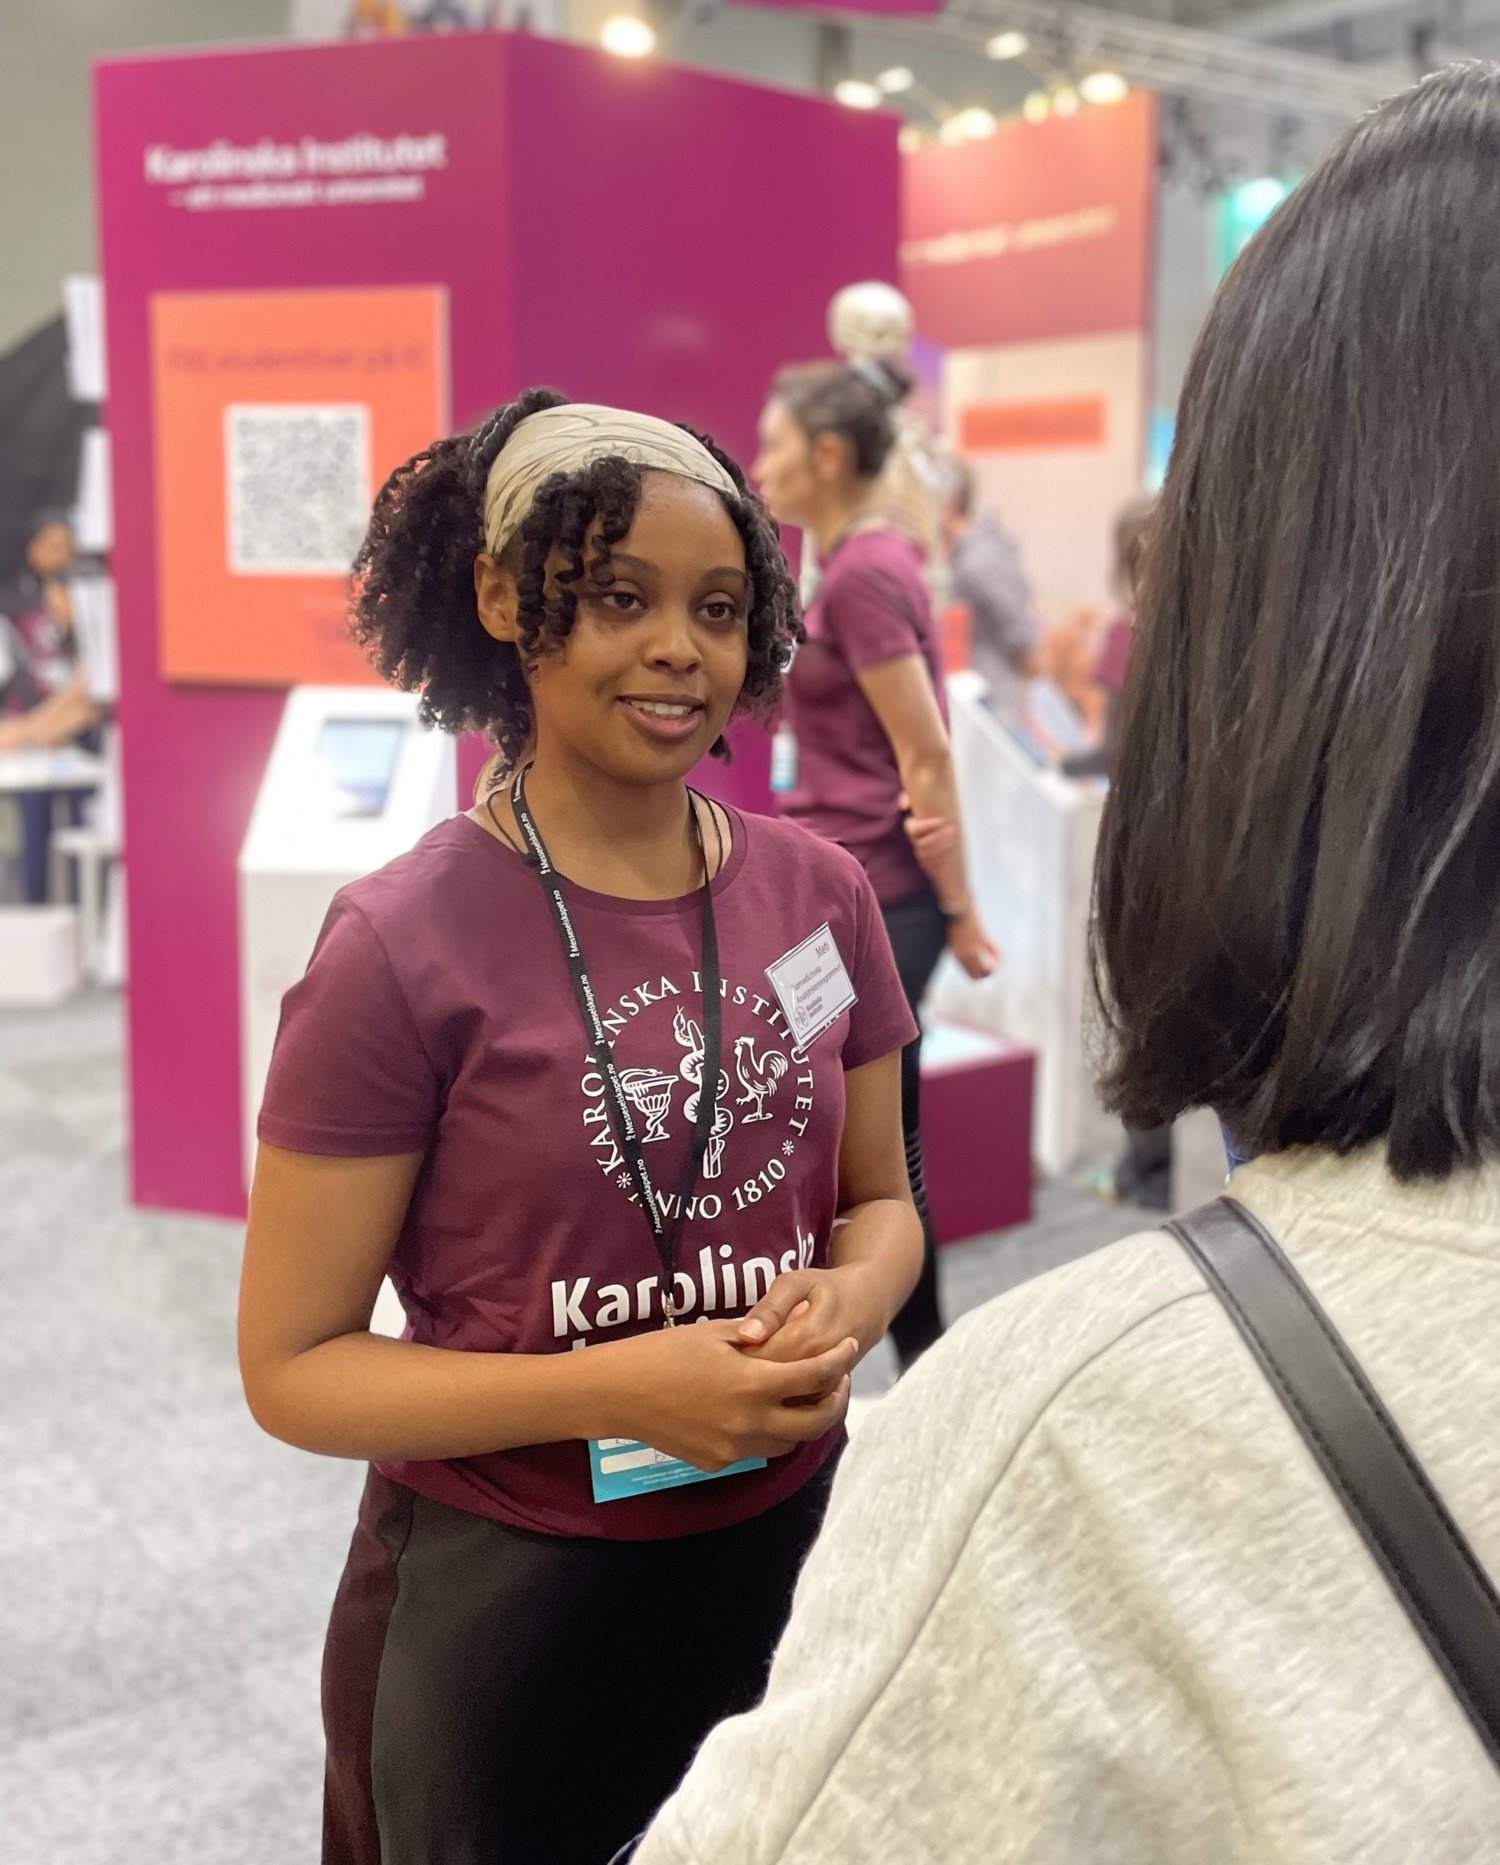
<point x="882" y="1240"/>
<point x="52" y="722"/>
<point x="932" y="792"/>
<point x="363" y="1395"/>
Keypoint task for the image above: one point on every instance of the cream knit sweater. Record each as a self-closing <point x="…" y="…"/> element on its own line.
<point x="1083" y="1596"/>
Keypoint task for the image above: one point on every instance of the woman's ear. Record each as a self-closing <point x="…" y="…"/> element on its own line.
<point x="829" y="456"/>
<point x="497" y="599"/>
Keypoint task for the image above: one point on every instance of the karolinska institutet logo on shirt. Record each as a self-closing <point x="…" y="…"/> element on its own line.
<point x="763" y="1107"/>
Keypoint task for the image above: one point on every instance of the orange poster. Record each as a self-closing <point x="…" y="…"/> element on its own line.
<point x="279" y="415"/>
<point x="1024" y="426"/>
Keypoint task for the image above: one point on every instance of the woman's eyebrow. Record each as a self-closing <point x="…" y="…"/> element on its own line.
<point x="623" y="560"/>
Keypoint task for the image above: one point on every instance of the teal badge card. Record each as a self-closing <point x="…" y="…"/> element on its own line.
<point x="626" y="1467"/>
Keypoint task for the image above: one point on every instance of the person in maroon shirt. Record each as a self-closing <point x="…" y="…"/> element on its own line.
<point x="865" y="708"/>
<point x="593" y="997"/>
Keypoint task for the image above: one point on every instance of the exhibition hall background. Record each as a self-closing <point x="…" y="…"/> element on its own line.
<point x="724" y="214"/>
<point x="47" y="201"/>
<point x="1055" y="263"/>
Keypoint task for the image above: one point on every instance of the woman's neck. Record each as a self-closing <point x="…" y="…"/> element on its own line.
<point x="637" y="842"/>
<point x="842" y="512"/>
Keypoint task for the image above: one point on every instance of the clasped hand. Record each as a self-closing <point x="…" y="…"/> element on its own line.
<point x="805" y="1311"/>
<point x="713" y="1392"/>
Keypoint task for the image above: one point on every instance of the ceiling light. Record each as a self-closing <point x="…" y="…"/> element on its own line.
<point x="1037" y="107"/>
<point x="627" y="36"/>
<point x="894" y="81"/>
<point x="857" y="94"/>
<point x="971" y="125"/>
<point x="1104" y="87"/>
<point x="1008" y="45"/>
<point x="1065" y="101"/>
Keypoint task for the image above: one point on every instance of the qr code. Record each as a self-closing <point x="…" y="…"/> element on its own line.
<point x="298" y="486"/>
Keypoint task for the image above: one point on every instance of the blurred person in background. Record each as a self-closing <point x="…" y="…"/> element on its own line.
<point x="1084" y="1592"/>
<point x="865" y="707"/>
<point x="1112" y="656"/>
<point x="1066" y="655"/>
<point x="1143" y="1173"/>
<point x="44" y="700"/>
<point x="988" y="577"/>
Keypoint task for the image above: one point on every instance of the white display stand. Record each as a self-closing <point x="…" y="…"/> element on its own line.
<point x="1030" y="835"/>
<point x="36" y="769"/>
<point x="353" y="781"/>
<point x="39" y="959"/>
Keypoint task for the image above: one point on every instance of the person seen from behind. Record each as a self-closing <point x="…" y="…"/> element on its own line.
<point x="1084" y="1592"/>
<point x="865" y="708"/>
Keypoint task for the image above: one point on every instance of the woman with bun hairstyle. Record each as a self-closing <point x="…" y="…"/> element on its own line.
<point x="865" y="709"/>
<point x="596" y="1060"/>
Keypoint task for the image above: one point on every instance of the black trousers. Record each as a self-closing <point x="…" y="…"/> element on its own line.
<point x="497" y="1697"/>
<point x="918" y="935"/>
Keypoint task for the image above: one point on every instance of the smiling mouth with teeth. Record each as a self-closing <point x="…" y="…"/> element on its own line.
<point x="661" y="709"/>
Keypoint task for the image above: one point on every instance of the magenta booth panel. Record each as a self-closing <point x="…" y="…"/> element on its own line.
<point x="976" y="1130"/>
<point x="634" y="234"/>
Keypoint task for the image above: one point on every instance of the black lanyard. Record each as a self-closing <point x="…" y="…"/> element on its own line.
<point x="665" y="1228"/>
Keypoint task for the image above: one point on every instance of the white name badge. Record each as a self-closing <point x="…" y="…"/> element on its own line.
<point x="812" y="986"/>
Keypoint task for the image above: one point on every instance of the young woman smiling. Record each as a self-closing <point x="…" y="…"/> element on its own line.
<point x="595" y="1059"/>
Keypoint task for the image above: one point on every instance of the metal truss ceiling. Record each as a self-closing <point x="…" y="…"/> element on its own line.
<point x="1178" y="60"/>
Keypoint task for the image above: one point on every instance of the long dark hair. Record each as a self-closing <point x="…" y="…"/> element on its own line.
<point x="1298" y="882"/>
<point x="414" y="610"/>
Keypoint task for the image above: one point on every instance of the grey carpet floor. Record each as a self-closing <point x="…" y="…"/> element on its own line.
<point x="165" y="1568"/>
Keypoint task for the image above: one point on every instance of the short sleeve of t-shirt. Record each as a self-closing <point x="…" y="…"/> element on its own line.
<point x="881" y="1020"/>
<point x="876" y="608"/>
<point x="370" y="1088"/>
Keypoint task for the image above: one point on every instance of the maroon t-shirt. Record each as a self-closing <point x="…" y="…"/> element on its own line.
<point x="437" y="1012"/>
<point x="1113" y="659"/>
<point x="872" y="606"/>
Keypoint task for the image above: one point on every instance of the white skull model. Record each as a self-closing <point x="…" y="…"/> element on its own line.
<point x="869" y="322"/>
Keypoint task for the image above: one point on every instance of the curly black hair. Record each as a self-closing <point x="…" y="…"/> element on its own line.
<point x="413" y="602"/>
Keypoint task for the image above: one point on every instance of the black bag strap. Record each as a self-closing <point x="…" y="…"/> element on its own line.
<point x="1420" y="1548"/>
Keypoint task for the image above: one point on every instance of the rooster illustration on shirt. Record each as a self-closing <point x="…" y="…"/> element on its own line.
<point x="759" y="1076"/>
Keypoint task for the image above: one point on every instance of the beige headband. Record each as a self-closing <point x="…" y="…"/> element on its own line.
<point x="570" y="438"/>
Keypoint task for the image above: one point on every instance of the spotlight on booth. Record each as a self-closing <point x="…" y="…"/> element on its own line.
<point x="971" y="125"/>
<point x="627" y="35"/>
<point x="1104" y="87"/>
<point x="895" y="82"/>
<point x="1065" y="101"/>
<point x="1006" y="45"/>
<point x="856" y="94"/>
<point x="1037" y="107"/>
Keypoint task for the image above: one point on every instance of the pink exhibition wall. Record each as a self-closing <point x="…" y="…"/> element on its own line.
<point x="635" y="234"/>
